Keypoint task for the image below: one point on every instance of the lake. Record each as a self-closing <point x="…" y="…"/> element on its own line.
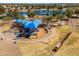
<point x="44" y="12"/>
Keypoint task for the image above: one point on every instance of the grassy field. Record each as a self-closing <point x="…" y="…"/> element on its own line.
<point x="70" y="46"/>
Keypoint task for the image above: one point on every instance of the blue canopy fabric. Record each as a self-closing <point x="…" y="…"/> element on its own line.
<point x="24" y="22"/>
<point x="34" y="24"/>
<point x="27" y="23"/>
<point x="19" y="20"/>
<point x="37" y="22"/>
<point x="30" y="24"/>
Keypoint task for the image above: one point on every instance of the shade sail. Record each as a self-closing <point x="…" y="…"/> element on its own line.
<point x="37" y="22"/>
<point x="29" y="24"/>
<point x="24" y="22"/>
<point x="34" y="24"/>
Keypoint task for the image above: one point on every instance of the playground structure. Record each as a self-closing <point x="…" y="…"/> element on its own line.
<point x="26" y="28"/>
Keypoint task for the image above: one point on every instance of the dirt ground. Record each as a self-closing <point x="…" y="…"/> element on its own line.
<point x="37" y="47"/>
<point x="7" y="46"/>
<point x="40" y="34"/>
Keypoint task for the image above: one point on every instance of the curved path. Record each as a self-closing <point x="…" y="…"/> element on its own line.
<point x="7" y="46"/>
<point x="45" y="38"/>
<point x="38" y="46"/>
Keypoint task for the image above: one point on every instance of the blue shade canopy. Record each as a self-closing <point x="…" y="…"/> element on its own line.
<point x="37" y="22"/>
<point x="24" y="22"/>
<point x="29" y="24"/>
<point x="34" y="24"/>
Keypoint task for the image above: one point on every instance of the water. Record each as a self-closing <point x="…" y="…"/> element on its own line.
<point x="24" y="13"/>
<point x="44" y="12"/>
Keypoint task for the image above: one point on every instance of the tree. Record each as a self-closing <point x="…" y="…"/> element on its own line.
<point x="2" y="10"/>
<point x="68" y="14"/>
<point x="59" y="17"/>
<point x="49" y="19"/>
<point x="31" y="14"/>
<point x="60" y="13"/>
<point x="15" y="14"/>
<point x="77" y="12"/>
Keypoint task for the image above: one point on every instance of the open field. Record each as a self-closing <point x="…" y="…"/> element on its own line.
<point x="70" y="47"/>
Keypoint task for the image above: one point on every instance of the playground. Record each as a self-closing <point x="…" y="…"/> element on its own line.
<point x="31" y="37"/>
<point x="8" y="37"/>
<point x="14" y="40"/>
